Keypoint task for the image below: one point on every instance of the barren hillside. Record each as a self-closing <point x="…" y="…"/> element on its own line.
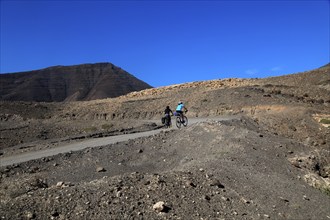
<point x="269" y="160"/>
<point x="69" y="83"/>
<point x="305" y="95"/>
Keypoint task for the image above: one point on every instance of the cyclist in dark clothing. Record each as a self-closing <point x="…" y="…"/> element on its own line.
<point x="168" y="112"/>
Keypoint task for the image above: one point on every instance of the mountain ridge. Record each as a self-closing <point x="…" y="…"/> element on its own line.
<point x="69" y="83"/>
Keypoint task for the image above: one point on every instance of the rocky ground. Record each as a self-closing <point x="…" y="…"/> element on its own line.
<point x="270" y="161"/>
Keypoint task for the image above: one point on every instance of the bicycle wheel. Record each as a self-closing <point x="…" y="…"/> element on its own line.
<point x="185" y="121"/>
<point x="167" y="123"/>
<point x="178" y="122"/>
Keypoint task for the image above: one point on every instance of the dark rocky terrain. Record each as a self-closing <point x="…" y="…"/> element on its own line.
<point x="269" y="160"/>
<point x="69" y="83"/>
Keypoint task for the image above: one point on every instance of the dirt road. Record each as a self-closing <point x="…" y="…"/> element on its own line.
<point x="68" y="147"/>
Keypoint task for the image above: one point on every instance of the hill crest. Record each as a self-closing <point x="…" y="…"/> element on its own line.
<point x="69" y="83"/>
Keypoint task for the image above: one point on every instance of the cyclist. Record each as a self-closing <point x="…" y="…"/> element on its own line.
<point x="168" y="112"/>
<point x="179" y="110"/>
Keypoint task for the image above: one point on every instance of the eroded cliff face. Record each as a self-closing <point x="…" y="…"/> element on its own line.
<point x="69" y="83"/>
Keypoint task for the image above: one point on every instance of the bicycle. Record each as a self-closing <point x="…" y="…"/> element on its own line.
<point x="166" y="121"/>
<point x="179" y="122"/>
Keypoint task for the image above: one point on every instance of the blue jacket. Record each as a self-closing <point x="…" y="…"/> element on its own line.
<point x="180" y="107"/>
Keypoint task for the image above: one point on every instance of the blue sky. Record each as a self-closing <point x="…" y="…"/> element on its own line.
<point x="168" y="42"/>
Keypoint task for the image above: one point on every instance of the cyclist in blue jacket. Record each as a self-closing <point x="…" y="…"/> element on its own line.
<point x="180" y="108"/>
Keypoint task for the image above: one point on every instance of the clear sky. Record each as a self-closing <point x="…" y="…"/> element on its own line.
<point x="168" y="42"/>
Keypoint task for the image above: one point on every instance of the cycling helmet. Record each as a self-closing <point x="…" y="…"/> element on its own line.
<point x="179" y="103"/>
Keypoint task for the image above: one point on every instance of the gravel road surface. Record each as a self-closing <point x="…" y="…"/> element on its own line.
<point x="97" y="142"/>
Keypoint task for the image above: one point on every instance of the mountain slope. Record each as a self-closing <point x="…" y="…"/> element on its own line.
<point x="271" y="160"/>
<point x="69" y="83"/>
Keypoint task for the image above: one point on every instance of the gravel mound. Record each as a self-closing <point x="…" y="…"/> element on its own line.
<point x="215" y="169"/>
